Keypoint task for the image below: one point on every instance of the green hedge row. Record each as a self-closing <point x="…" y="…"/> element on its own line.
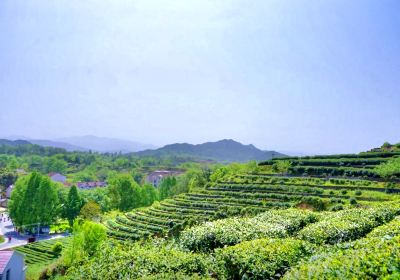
<point x="369" y="258"/>
<point x="231" y="231"/>
<point x="348" y="224"/>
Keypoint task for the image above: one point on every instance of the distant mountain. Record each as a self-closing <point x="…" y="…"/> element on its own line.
<point x="103" y="145"/>
<point x="56" y="144"/>
<point x="13" y="142"/>
<point x="222" y="151"/>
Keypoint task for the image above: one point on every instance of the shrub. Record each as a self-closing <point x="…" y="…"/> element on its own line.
<point x="348" y="224"/>
<point x="137" y="260"/>
<point x="274" y="224"/>
<point x="358" y="192"/>
<point x="370" y="258"/>
<point x="353" y="201"/>
<point x="389" y="230"/>
<point x="316" y="202"/>
<point x="337" y="208"/>
<point x="57" y="248"/>
<point x="261" y="258"/>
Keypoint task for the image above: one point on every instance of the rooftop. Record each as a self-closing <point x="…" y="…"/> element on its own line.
<point x="5" y="257"/>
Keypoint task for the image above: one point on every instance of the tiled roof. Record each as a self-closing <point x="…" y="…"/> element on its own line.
<point x="5" y="257"/>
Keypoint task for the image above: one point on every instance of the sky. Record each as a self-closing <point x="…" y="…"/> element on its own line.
<point x="310" y="77"/>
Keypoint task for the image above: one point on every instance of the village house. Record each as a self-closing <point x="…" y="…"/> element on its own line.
<point x="57" y="177"/>
<point x="157" y="176"/>
<point x="90" y="185"/>
<point x="12" y="265"/>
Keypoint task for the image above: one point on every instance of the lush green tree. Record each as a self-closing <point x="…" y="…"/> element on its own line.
<point x="90" y="211"/>
<point x="166" y="186"/>
<point x="73" y="205"/>
<point x="54" y="164"/>
<point x="86" y="240"/>
<point x="148" y="194"/>
<point x="98" y="195"/>
<point x="124" y="192"/>
<point x="46" y="204"/>
<point x="34" y="200"/>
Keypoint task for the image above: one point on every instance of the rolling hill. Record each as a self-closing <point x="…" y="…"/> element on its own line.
<point x="226" y="150"/>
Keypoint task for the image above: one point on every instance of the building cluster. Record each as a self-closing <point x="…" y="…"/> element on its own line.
<point x="57" y="177"/>
<point x="155" y="178"/>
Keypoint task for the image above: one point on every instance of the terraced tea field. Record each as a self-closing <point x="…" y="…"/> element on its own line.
<point x="247" y="194"/>
<point x="348" y="165"/>
<point x="41" y="251"/>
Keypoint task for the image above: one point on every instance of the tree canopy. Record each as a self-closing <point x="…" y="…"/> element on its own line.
<point x="34" y="200"/>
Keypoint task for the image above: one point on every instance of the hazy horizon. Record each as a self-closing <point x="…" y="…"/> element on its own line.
<point x="312" y="77"/>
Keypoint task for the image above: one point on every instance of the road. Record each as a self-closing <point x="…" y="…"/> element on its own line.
<point x="7" y="230"/>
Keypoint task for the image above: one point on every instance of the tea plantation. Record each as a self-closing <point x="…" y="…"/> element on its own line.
<point x="259" y="225"/>
<point x="249" y="194"/>
<point x="328" y="217"/>
<point x="42" y="251"/>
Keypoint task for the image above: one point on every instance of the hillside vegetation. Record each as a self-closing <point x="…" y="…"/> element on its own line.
<point x="267" y="221"/>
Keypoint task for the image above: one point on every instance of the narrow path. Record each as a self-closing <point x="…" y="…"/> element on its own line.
<point x="7" y="230"/>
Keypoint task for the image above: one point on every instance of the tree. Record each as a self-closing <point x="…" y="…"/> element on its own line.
<point x="86" y="239"/>
<point x="46" y="202"/>
<point x="148" y="194"/>
<point x="73" y="205"/>
<point x="90" y="211"/>
<point x="166" y="186"/>
<point x="124" y="192"/>
<point x="34" y="200"/>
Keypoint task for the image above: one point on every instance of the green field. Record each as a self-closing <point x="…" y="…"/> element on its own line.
<point x="41" y="252"/>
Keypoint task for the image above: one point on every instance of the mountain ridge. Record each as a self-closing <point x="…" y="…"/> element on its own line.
<point x="226" y="150"/>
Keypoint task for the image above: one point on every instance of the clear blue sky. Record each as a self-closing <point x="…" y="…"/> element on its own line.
<point x="305" y="76"/>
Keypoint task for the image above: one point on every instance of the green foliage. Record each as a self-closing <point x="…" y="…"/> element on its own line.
<point x="348" y="224"/>
<point x="369" y="258"/>
<point x="43" y="252"/>
<point x="98" y="195"/>
<point x="281" y="166"/>
<point x="261" y="258"/>
<point x="57" y="248"/>
<point x="388" y="230"/>
<point x="73" y="205"/>
<point x="165" y="188"/>
<point x="86" y="240"/>
<point x="34" y="200"/>
<point x="220" y="233"/>
<point x="7" y="177"/>
<point x="134" y="261"/>
<point x="389" y="169"/>
<point x="353" y="201"/>
<point x="315" y="202"/>
<point x="124" y="192"/>
<point x="90" y="211"/>
<point x="148" y="194"/>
